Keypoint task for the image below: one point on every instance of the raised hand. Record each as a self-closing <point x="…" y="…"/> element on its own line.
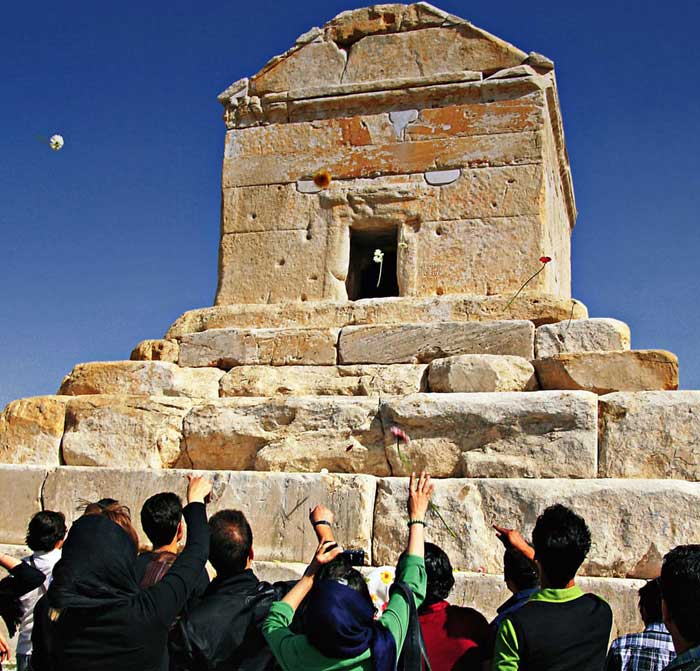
<point x="514" y="539"/>
<point x="321" y="513"/>
<point x="419" y="492"/>
<point x="198" y="489"/>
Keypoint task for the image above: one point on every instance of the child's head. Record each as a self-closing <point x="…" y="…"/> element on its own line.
<point x="160" y="518"/>
<point x="562" y="541"/>
<point x="46" y="531"/>
<point x="680" y="590"/>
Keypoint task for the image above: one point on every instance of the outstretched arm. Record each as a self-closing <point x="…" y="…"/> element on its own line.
<point x="514" y="539"/>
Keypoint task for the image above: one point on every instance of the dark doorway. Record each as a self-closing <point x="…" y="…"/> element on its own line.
<point x="363" y="273"/>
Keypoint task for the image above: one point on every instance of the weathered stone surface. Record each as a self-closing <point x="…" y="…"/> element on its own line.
<point x="260" y="208"/>
<point x="486" y="591"/>
<point x="276" y="504"/>
<point x="292" y="433"/>
<point x="605" y="372"/>
<point x="538" y="308"/>
<point x="420" y="343"/>
<point x="581" y="335"/>
<point x="129" y="431"/>
<point x="652" y="434"/>
<point x="540" y="434"/>
<point x="156" y="350"/>
<point x="31" y="431"/>
<point x="481" y="372"/>
<point x="516" y="71"/>
<point x="227" y="348"/>
<point x="323" y="380"/>
<point x="427" y="51"/>
<point x="142" y="378"/>
<point x="633" y="523"/>
<point x="314" y="62"/>
<point x="21" y="488"/>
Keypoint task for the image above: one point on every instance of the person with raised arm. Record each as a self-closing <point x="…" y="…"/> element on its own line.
<point x="95" y="616"/>
<point x="341" y="632"/>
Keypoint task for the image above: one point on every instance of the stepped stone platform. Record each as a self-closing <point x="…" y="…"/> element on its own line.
<point x="397" y="209"/>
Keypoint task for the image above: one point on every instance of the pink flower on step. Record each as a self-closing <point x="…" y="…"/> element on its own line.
<point x="400" y="434"/>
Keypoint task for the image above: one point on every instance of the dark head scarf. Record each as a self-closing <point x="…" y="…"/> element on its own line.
<point x="97" y="566"/>
<point x="342" y="626"/>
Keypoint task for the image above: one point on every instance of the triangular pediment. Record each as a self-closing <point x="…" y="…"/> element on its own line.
<point x="382" y="43"/>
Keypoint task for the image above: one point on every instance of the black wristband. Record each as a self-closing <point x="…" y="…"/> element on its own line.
<point x="411" y="522"/>
<point x="319" y="522"/>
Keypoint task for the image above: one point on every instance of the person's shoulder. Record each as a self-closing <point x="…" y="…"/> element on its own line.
<point x="466" y="613"/>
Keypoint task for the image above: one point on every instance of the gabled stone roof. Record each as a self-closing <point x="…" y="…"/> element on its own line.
<point x="380" y="43"/>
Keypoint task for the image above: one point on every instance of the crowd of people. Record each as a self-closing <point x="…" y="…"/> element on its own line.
<point x="88" y="601"/>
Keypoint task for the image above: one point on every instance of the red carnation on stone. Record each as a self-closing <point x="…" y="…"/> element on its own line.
<point x="545" y="259"/>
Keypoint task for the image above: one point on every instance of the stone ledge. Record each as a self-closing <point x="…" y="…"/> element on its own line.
<point x="633" y="523"/>
<point x="606" y="372"/>
<point x="538" y="308"/>
<point x="652" y="434"/>
<point x="581" y="335"/>
<point x="276" y="504"/>
<point x="495" y="435"/>
<point x="421" y="343"/>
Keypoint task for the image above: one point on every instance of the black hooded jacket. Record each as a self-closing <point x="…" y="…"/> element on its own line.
<point x="222" y="629"/>
<point x="107" y="622"/>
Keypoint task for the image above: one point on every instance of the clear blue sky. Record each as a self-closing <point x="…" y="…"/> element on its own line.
<point x="109" y="240"/>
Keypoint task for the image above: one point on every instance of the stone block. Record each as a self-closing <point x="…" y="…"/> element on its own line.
<point x="275" y="266"/>
<point x="394" y="158"/>
<point x="266" y="208"/>
<point x="605" y="372"/>
<point x="535" y="307"/>
<point x="481" y="373"/>
<point x="650" y="434"/>
<point x="495" y="435"/>
<point x="428" y="51"/>
<point x="276" y="504"/>
<point x="444" y="264"/>
<point x="142" y="378"/>
<point x="421" y="343"/>
<point x="22" y="490"/>
<point x="156" y="350"/>
<point x="633" y="523"/>
<point x="31" y="431"/>
<point x="581" y="335"/>
<point x="126" y="431"/>
<point x="301" y="67"/>
<point x="304" y="433"/>
<point x="227" y="348"/>
<point x="323" y="380"/>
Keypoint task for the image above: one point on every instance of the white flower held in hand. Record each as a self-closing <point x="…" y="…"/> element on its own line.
<point x="379" y="258"/>
<point x="56" y="142"/>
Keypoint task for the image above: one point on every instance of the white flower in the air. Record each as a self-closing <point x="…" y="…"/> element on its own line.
<point x="56" y="142"/>
<point x="378" y="256"/>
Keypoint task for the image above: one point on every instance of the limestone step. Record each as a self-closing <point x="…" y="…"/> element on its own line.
<point x="581" y="335"/>
<point x="536" y="307"/>
<point x="633" y="522"/>
<point x="502" y="434"/>
<point x="539" y="434"/>
<point x="605" y="372"/>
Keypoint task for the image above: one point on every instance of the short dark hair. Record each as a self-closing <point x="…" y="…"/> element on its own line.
<point x="439" y="571"/>
<point x="160" y="517"/>
<point x="650" y="602"/>
<point x="45" y="529"/>
<point x="231" y="541"/>
<point x="680" y="588"/>
<point x="341" y="570"/>
<point x="562" y="541"/>
<point x="519" y="570"/>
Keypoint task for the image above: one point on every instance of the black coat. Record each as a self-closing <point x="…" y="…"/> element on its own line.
<point x="107" y="622"/>
<point x="221" y="631"/>
<point x="23" y="578"/>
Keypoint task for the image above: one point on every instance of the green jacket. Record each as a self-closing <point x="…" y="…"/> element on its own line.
<point x="294" y="652"/>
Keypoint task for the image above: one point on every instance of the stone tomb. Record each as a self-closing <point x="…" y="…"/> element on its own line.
<point x="445" y="150"/>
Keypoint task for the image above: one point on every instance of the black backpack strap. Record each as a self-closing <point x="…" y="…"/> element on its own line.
<point x="413" y="656"/>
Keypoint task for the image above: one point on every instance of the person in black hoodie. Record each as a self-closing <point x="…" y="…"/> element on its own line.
<point x="95" y="616"/>
<point x="222" y="629"/>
